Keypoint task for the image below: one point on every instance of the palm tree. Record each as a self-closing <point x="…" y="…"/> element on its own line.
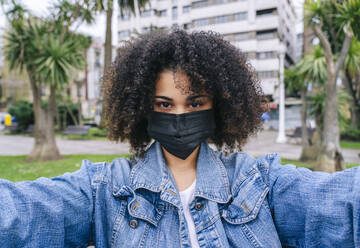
<point x="49" y="53"/>
<point x="330" y="19"/>
<point x="132" y="6"/>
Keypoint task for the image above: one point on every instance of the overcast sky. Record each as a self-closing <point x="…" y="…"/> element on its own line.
<point x="98" y="28"/>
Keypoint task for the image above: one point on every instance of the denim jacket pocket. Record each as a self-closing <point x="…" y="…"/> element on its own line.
<point x="247" y="200"/>
<point x="138" y="206"/>
<point x="139" y="216"/>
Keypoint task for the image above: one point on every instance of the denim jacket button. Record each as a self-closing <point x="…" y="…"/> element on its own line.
<point x="133" y="224"/>
<point x="198" y="206"/>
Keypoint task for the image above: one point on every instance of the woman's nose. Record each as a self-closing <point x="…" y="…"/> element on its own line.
<point x="180" y="110"/>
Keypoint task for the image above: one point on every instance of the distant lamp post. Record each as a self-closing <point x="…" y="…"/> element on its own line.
<point x="137" y="16"/>
<point x="281" y="135"/>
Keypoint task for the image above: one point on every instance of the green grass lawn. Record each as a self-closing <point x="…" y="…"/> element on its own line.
<point x="349" y="144"/>
<point x="14" y="168"/>
<point x="94" y="134"/>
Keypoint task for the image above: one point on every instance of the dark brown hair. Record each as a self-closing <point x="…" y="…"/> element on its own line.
<point x="211" y="63"/>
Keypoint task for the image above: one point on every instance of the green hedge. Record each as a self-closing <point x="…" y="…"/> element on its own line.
<point x="350" y="134"/>
<point x="23" y="111"/>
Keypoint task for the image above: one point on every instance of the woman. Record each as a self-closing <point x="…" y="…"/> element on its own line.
<point x="182" y="89"/>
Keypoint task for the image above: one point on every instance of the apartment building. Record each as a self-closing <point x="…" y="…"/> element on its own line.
<point x="86" y="86"/>
<point x="257" y="27"/>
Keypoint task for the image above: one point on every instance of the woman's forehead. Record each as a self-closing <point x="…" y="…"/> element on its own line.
<point x="169" y="80"/>
<point x="174" y="83"/>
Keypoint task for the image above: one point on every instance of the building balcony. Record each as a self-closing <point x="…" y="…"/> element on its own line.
<point x="266" y="64"/>
<point x="265" y="4"/>
<point x="266" y="22"/>
<point x="219" y="9"/>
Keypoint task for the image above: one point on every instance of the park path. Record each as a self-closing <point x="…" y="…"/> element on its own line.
<point x="260" y="145"/>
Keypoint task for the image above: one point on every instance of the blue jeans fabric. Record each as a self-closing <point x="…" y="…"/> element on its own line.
<point x="244" y="202"/>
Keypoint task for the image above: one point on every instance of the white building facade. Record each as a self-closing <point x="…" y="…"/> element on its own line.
<point x="257" y="27"/>
<point x="88" y="83"/>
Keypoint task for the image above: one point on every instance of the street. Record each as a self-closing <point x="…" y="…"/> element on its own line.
<point x="257" y="146"/>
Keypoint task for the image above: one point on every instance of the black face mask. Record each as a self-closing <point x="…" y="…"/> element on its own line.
<point x="180" y="134"/>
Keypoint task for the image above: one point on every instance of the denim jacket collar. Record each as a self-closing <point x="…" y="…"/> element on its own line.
<point x="153" y="174"/>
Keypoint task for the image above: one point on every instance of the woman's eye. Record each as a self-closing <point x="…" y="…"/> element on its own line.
<point x="163" y="104"/>
<point x="195" y="104"/>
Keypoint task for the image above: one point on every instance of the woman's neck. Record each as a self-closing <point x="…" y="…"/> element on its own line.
<point x="184" y="171"/>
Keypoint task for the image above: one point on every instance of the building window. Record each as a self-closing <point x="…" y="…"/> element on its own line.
<point x="266" y="12"/>
<point x="266" y="55"/>
<point x="186" y="9"/>
<point x="201" y="22"/>
<point x="187" y="25"/>
<point x="200" y="4"/>
<point x="266" y="34"/>
<point x="123" y="34"/>
<point x="174" y="1"/>
<point x="228" y="37"/>
<point x="174" y="13"/>
<point x="125" y="17"/>
<point x="97" y="57"/>
<point x="220" y="1"/>
<point x="240" y="16"/>
<point x="146" y="13"/>
<point x="221" y="19"/>
<point x="162" y="13"/>
<point x="241" y="36"/>
<point x="267" y="74"/>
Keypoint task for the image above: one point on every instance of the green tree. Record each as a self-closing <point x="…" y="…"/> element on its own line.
<point x="332" y="22"/>
<point x="310" y="69"/>
<point x="351" y="79"/>
<point x="49" y="52"/>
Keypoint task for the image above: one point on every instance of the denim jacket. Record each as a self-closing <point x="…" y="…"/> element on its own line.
<point x="239" y="202"/>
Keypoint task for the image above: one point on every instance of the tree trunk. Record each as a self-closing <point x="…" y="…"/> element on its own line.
<point x="330" y="158"/>
<point x="108" y="52"/>
<point x="57" y="119"/>
<point x="45" y="147"/>
<point x="308" y="151"/>
<point x="73" y="117"/>
<point x="108" y="37"/>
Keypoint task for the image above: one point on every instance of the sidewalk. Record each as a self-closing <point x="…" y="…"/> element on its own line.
<point x="257" y="146"/>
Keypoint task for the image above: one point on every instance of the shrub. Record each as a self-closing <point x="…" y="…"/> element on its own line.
<point x="23" y="111"/>
<point x="97" y="132"/>
<point x="350" y="134"/>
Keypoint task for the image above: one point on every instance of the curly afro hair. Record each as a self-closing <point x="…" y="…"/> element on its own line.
<point x="211" y="63"/>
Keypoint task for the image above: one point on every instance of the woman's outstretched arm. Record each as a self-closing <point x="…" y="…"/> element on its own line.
<point x="48" y="212"/>
<point x="314" y="209"/>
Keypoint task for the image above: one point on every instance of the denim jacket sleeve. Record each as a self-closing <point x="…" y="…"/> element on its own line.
<point x="314" y="209"/>
<point x="48" y="212"/>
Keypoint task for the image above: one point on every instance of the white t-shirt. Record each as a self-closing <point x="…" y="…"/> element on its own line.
<point x="186" y="197"/>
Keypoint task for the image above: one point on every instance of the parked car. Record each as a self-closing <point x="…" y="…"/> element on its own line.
<point x="2" y="117"/>
<point x="2" y="120"/>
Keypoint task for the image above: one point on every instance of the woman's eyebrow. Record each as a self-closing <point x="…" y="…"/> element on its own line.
<point x="190" y="98"/>
<point x="164" y="97"/>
